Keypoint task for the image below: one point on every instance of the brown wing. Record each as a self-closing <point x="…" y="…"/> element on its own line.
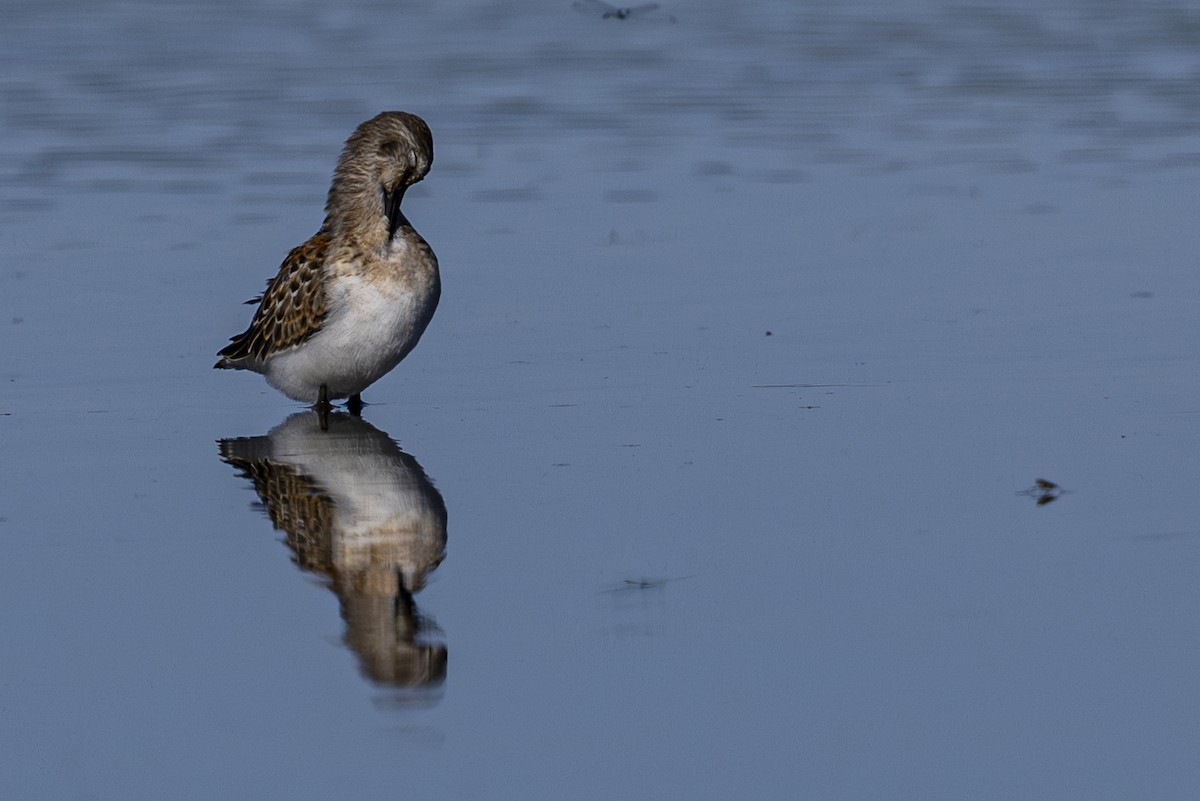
<point x="291" y="309"/>
<point x="295" y="502"/>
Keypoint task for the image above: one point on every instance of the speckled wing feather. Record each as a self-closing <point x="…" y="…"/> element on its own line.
<point x="291" y="309"/>
<point x="295" y="502"/>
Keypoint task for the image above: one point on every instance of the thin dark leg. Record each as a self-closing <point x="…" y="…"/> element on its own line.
<point x="354" y="405"/>
<point x="323" y="406"/>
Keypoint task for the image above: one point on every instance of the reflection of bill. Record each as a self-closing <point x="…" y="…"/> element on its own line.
<point x="359" y="511"/>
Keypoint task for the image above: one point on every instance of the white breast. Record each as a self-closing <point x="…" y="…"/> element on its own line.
<point x="370" y="327"/>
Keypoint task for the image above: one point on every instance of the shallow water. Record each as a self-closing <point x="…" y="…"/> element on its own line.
<point x="758" y="328"/>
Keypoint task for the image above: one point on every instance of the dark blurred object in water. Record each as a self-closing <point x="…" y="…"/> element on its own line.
<point x="644" y="584"/>
<point x="1043" y="491"/>
<point x="607" y="11"/>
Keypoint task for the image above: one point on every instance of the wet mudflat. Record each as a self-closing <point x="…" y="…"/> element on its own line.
<point x="716" y="473"/>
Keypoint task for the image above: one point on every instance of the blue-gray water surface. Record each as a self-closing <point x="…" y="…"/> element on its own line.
<point x="715" y="476"/>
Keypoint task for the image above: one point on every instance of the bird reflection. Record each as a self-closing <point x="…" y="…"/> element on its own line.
<point x="361" y="513"/>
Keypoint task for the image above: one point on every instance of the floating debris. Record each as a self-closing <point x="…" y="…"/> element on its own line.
<point x="1043" y="491"/>
<point x="644" y="584"/>
<point x="607" y="11"/>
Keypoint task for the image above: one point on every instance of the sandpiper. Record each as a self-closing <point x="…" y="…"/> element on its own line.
<point x="352" y="301"/>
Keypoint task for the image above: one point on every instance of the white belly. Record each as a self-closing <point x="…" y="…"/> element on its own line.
<point x="367" y="332"/>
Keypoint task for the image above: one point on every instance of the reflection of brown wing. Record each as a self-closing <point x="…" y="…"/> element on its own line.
<point x="296" y="505"/>
<point x="374" y="576"/>
<point x="291" y="310"/>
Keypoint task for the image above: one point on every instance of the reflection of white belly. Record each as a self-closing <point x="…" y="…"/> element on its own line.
<point x="366" y="334"/>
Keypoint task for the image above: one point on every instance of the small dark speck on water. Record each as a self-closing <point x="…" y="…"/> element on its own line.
<point x="645" y="584"/>
<point x="607" y="11"/>
<point x="1141" y="295"/>
<point x="627" y="585"/>
<point x="1043" y="491"/>
<point x="770" y="334"/>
